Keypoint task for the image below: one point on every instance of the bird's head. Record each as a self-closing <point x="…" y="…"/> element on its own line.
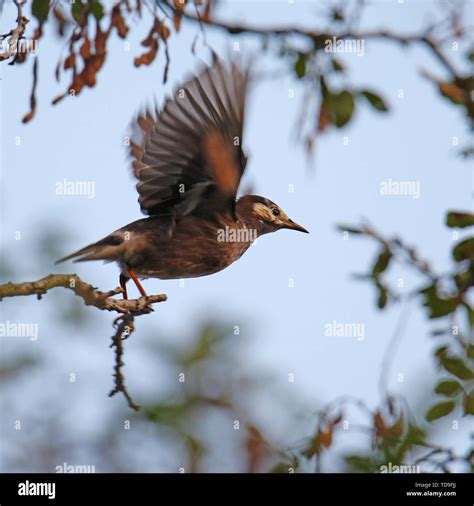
<point x="264" y="215"/>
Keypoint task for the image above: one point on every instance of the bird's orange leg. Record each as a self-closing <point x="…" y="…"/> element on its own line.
<point x="137" y="282"/>
<point x="123" y="283"/>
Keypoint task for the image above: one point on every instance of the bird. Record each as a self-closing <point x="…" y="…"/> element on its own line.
<point x="189" y="160"/>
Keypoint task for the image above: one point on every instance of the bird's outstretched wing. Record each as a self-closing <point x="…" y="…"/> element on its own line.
<point x="188" y="157"/>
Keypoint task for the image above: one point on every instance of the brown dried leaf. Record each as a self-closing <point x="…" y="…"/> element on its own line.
<point x="97" y="61"/>
<point x="148" y="40"/>
<point x="29" y="116"/>
<point x="20" y="57"/>
<point x="452" y="92"/>
<point x="100" y="40"/>
<point x="381" y="429"/>
<point x="77" y="84"/>
<point x="163" y="31"/>
<point x="177" y="21"/>
<point x="88" y="75"/>
<point x="178" y="13"/>
<point x="257" y="449"/>
<point x="325" y="438"/>
<point x="118" y="22"/>
<point x="207" y="11"/>
<point x="76" y="87"/>
<point x="324" y="119"/>
<point x="148" y="57"/>
<point x="70" y="62"/>
<point x="77" y="35"/>
<point x="396" y="430"/>
<point x="85" y="50"/>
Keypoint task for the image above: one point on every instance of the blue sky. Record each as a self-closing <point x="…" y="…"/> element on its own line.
<point x="288" y="286"/>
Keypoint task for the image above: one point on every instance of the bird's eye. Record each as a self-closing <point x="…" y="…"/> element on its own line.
<point x="275" y="212"/>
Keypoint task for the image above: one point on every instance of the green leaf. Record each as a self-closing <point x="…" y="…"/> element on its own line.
<point x="314" y="447"/>
<point x="342" y="107"/>
<point x="464" y="280"/>
<point x="382" y="262"/>
<point x="195" y="447"/>
<point x="456" y="366"/>
<point x="438" y="307"/>
<point x="470" y="351"/>
<point x="448" y="387"/>
<point x="383" y="297"/>
<point x="439" y="410"/>
<point x="280" y="468"/>
<point x="284" y="467"/>
<point x="415" y="436"/>
<point x="80" y="11"/>
<point x="300" y="65"/>
<point x="40" y="10"/>
<point x="97" y="9"/>
<point x="358" y="463"/>
<point x="443" y="307"/>
<point x="458" y="219"/>
<point x="325" y="92"/>
<point x="468" y="403"/>
<point x="374" y="100"/>
<point x="464" y="250"/>
<point x="470" y="320"/>
<point x="441" y="353"/>
<point x="320" y="41"/>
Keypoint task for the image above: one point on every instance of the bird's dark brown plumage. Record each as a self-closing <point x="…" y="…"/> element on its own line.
<point x="188" y="159"/>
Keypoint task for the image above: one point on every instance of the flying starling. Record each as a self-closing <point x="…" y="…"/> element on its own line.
<point x="188" y="160"/>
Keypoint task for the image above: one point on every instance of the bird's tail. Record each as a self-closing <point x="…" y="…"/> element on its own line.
<point x="105" y="249"/>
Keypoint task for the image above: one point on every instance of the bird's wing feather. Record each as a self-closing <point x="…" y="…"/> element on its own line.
<point x="189" y="158"/>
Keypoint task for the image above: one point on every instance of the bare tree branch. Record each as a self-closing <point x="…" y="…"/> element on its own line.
<point x="29" y="115"/>
<point x="124" y="329"/>
<point x="407" y="253"/>
<point x="90" y="294"/>
<point x="16" y="33"/>
<point x="317" y="37"/>
<point x="101" y="300"/>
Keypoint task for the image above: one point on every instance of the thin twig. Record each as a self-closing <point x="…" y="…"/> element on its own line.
<point x="29" y="116"/>
<point x="124" y="330"/>
<point x="167" y="63"/>
<point x="390" y="351"/>
<point x="411" y="256"/>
